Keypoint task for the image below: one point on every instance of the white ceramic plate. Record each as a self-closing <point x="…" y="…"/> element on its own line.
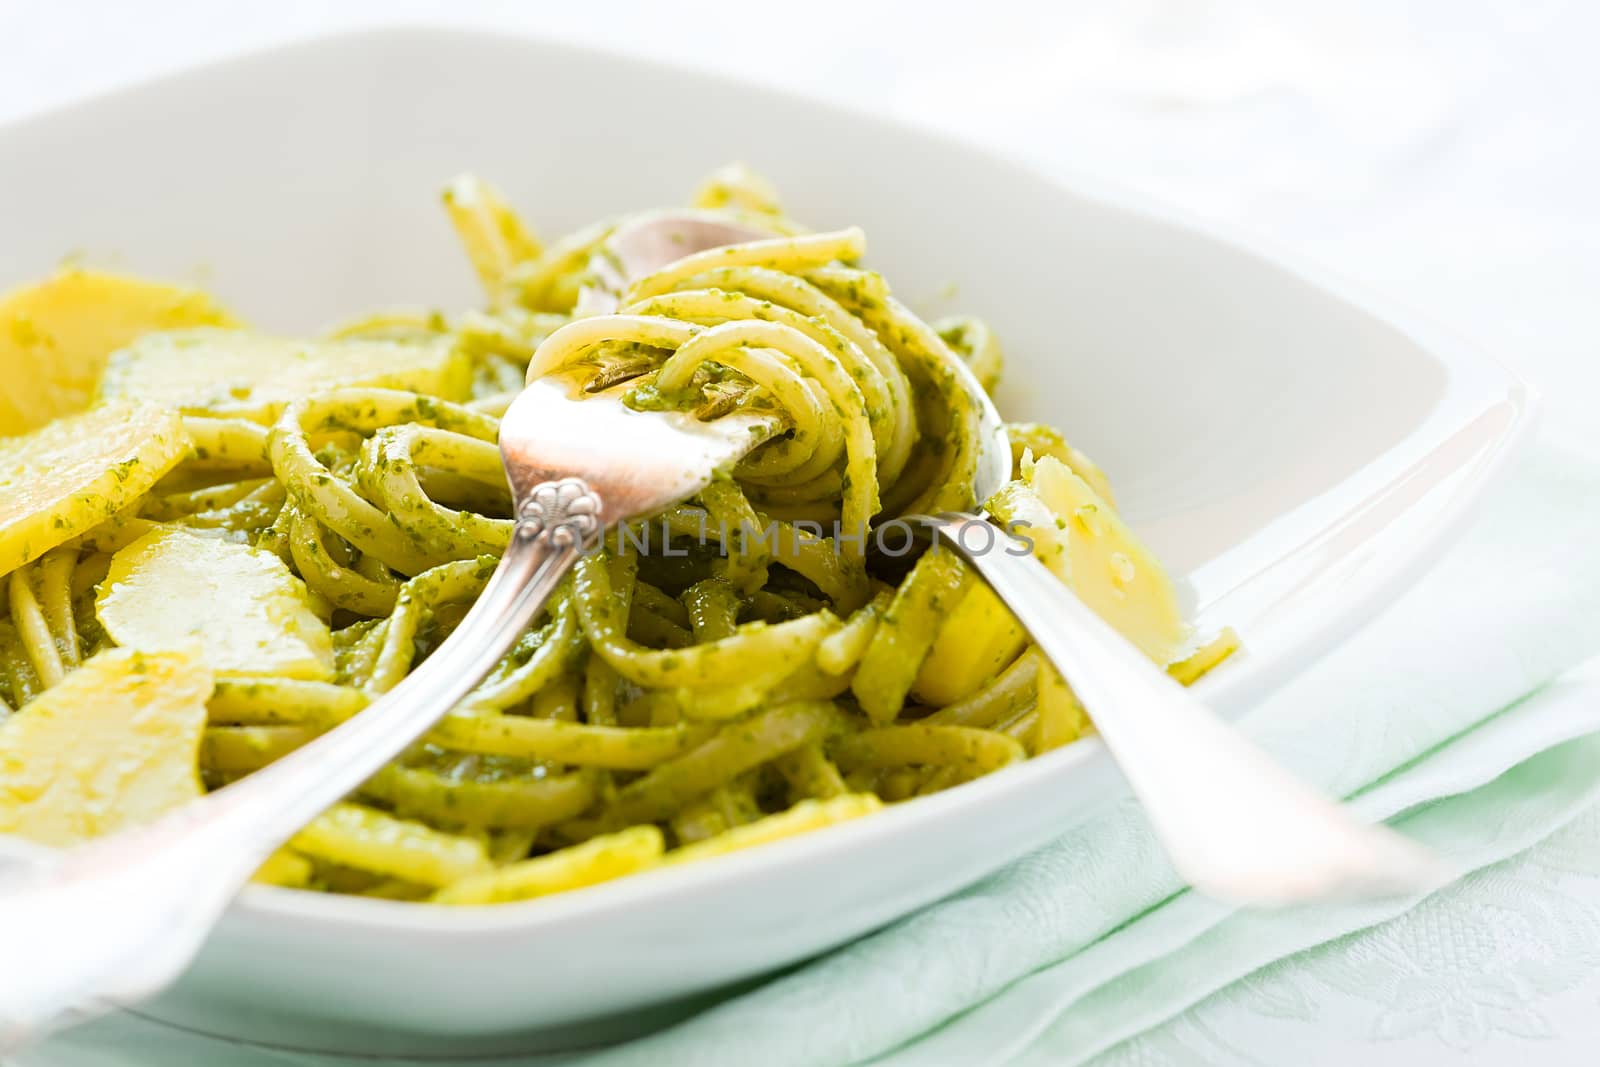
<point x="1296" y="453"/>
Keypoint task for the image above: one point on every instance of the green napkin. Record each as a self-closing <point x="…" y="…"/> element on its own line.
<point x="1092" y="939"/>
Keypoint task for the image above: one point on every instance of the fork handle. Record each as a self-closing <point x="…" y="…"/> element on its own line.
<point x="1235" y="824"/>
<point x="114" y="921"/>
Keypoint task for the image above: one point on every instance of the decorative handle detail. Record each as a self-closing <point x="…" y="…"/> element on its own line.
<point x="568" y="509"/>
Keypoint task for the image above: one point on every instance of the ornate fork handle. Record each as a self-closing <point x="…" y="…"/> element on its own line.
<point x="117" y="919"/>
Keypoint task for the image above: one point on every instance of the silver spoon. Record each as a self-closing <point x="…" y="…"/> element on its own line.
<point x="114" y="921"/>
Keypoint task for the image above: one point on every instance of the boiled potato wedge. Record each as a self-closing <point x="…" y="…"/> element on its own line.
<point x="244" y="375"/>
<point x="1042" y="440"/>
<point x="249" y="613"/>
<point x="71" y="476"/>
<point x="113" y="745"/>
<point x="1083" y="541"/>
<point x="56" y="335"/>
<point x="979" y="638"/>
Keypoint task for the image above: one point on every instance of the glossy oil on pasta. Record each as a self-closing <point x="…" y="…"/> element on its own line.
<point x="217" y="544"/>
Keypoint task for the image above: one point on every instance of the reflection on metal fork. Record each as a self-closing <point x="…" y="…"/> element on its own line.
<point x="1235" y="824"/>
<point x="116" y="920"/>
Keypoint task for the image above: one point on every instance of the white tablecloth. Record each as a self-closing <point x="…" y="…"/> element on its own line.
<point x="1443" y="151"/>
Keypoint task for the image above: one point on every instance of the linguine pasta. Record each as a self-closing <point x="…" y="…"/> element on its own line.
<point x="241" y="540"/>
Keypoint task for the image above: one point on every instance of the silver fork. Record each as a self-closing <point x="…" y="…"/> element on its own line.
<point x="1234" y="823"/>
<point x="114" y="921"/>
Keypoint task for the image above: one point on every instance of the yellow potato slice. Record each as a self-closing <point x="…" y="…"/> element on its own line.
<point x="70" y="476"/>
<point x="1203" y="660"/>
<point x="246" y="375"/>
<point x="979" y="638"/>
<point x="248" y="612"/>
<point x="1042" y="440"/>
<point x="56" y="335"/>
<point x="1084" y="542"/>
<point x="111" y="746"/>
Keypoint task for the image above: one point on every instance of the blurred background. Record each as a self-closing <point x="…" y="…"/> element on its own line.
<point x="1442" y="150"/>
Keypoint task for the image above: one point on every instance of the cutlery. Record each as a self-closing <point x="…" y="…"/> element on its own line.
<point x="114" y="921"/>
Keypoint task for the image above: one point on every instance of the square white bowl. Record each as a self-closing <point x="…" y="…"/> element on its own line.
<point x="1296" y="453"/>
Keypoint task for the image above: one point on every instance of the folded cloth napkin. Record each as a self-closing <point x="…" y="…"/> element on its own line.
<point x="1440" y="714"/>
<point x="1092" y="939"/>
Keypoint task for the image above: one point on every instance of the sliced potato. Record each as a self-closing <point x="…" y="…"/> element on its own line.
<point x="56" y="335"/>
<point x="248" y="612"/>
<point x="67" y="478"/>
<point x="977" y="639"/>
<point x="247" y="375"/>
<point x="1203" y="660"/>
<point x="113" y="745"/>
<point x="1042" y="440"/>
<point x="1080" y="538"/>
